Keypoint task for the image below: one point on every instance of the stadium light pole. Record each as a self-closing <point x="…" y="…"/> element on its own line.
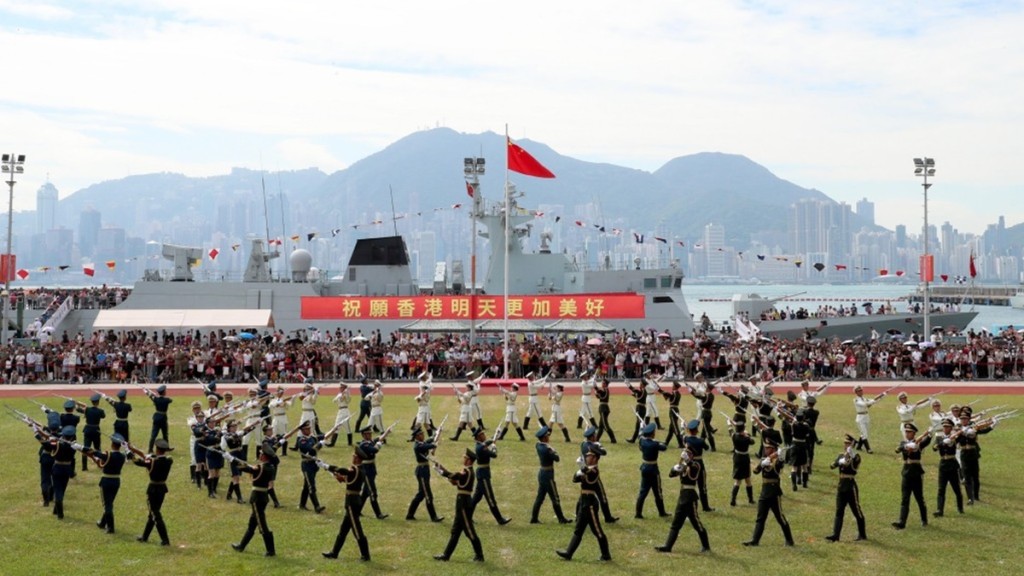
<point x="473" y="168"/>
<point x="11" y="164"/>
<point x="925" y="167"/>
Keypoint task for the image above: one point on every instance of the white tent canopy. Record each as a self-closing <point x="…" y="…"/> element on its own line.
<point x="119" y="319"/>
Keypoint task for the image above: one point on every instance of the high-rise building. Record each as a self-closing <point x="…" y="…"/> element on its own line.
<point x="46" y="208"/>
<point x="88" y="231"/>
<point x="714" y="241"/>
<point x="866" y="210"/>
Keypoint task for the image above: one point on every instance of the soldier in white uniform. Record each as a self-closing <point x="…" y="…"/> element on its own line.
<point x="343" y="420"/>
<point x="586" y="392"/>
<point x="465" y="400"/>
<point x="279" y="416"/>
<point x="308" y="397"/>
<point x="474" y="402"/>
<point x="376" y="399"/>
<point x="511" y="415"/>
<point x="424" y="419"/>
<point x="555" y="394"/>
<point x="906" y="410"/>
<point x="653" y="391"/>
<point x="936" y="416"/>
<point x="253" y="414"/>
<point x="861" y="406"/>
<point x="805" y="392"/>
<point x="533" y="386"/>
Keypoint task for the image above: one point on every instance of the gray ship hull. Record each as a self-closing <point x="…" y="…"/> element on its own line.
<point x="859" y="327"/>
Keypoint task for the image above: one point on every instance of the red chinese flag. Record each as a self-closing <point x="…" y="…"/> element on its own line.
<point x="89" y="270"/>
<point x="519" y="160"/>
<point x="974" y="270"/>
<point x="469" y="189"/>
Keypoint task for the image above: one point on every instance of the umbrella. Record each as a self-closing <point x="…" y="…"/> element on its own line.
<point x="595" y="341"/>
<point x="357" y="339"/>
<point x="926" y="344"/>
<point x="246" y="336"/>
<point x="910" y="343"/>
<point x="294" y="341"/>
<point x="231" y="338"/>
<point x="664" y="335"/>
<point x="686" y="341"/>
<point x="47" y="329"/>
<point x="846" y="342"/>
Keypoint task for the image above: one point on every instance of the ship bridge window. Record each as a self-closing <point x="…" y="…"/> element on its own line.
<point x="677" y="282"/>
<point x="650" y="283"/>
<point x="351" y="273"/>
<point x="666" y="281"/>
<point x="663" y="300"/>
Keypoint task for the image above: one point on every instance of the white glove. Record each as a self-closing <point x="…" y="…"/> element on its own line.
<point x="677" y="469"/>
<point x="44" y="409"/>
<point x="76" y="446"/>
<point x="229" y="457"/>
<point x="322" y="465"/>
<point x="766" y="462"/>
<point x="842" y="461"/>
<point x="947" y="441"/>
<point x="282" y="442"/>
<point x="578" y="474"/>
<point x="910" y="446"/>
<point x="319" y="444"/>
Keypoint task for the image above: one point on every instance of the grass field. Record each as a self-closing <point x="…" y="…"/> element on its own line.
<point x="986" y="538"/>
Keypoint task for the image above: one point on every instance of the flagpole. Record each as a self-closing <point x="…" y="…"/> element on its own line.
<point x="504" y="296"/>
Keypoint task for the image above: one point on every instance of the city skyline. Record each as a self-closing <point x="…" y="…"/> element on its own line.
<point x="831" y="96"/>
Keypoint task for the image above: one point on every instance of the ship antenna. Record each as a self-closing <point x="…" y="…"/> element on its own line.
<point x="394" y="217"/>
<point x="266" y="213"/>
<point x="284" y="233"/>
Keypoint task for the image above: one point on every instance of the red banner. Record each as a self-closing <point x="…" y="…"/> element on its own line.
<point x="8" y="265"/>
<point x="583" y="306"/>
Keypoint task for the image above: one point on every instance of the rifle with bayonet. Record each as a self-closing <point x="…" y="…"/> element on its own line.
<point x="335" y="428"/>
<point x="383" y="437"/>
<point x="884" y="393"/>
<point x="78" y="405"/>
<point x="438" y="432"/>
<point x="229" y="457"/>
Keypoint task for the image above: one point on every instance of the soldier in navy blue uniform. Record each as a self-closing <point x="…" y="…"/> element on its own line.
<point x="604" y="411"/>
<point x="639" y="393"/>
<point x="741" y="403"/>
<point x="121" y="411"/>
<point x="589" y="444"/>
<point x="741" y="445"/>
<point x="770" y="500"/>
<point x="587" y="509"/>
<point x="650" y="476"/>
<point x="91" y="431"/>
<point x="422" y="450"/>
<point x="365" y="389"/>
<point x="811" y="415"/>
<point x="262" y="475"/>
<point x="307" y="445"/>
<point x="160" y="405"/>
<point x="63" y="467"/>
<point x="912" y="483"/>
<point x="798" y="456"/>
<point x="159" y="467"/>
<point x="232" y="440"/>
<point x="47" y="446"/>
<point x="353" y="480"/>
<point x="214" y="458"/>
<point x="110" y="462"/>
<point x="673" y="397"/>
<point x="486" y="450"/>
<point x="69" y="418"/>
<point x="686" y="507"/>
<point x="697" y="446"/>
<point x="847" y="494"/>
<point x="463" y="523"/>
<point x="546" y="485"/>
<point x="371" y="447"/>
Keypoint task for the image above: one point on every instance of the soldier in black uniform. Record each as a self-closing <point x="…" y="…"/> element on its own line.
<point x="946" y="444"/>
<point x="91" y="431"/>
<point x="159" y="467"/>
<point x="463" y="524"/>
<point x="353" y="479"/>
<point x="307" y="445"/>
<point x="272" y="442"/>
<point x="365" y="389"/>
<point x="811" y="415"/>
<point x="770" y="499"/>
<point x="47" y="445"/>
<point x="63" y="467"/>
<point x="604" y="411"/>
<point x="546" y="477"/>
<point x="110" y="463"/>
<point x="673" y="396"/>
<point x="370" y="447"/>
<point x="214" y="457"/>
<point x="847" y="494"/>
<point x="69" y="418"/>
<point x="741" y="403"/>
<point x="697" y="447"/>
<point x="486" y="450"/>
<point x="741" y="445"/>
<point x="262" y="475"/>
<point x="587" y="509"/>
<point x="640" y="396"/>
<point x="422" y="450"/>
<point x="650" y="476"/>
<point x="913" y="473"/>
<point x="121" y="411"/>
<point x="160" y="405"/>
<point x="232" y="440"/>
<point x="798" y="451"/>
<point x="589" y="444"/>
<point x="706" y="395"/>
<point x="688" y="472"/>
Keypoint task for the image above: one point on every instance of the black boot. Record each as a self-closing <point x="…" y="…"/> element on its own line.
<point x="58" y="509"/>
<point x="458" y="431"/>
<point x="750" y="494"/>
<point x="520" y="432"/>
<point x="273" y="497"/>
<point x="579" y="422"/>
<point x="806" y="477"/>
<point x="705" y="545"/>
<point x="862" y="533"/>
<point x="338" y="541"/>
<point x="792" y="477"/>
<point x="639" y="512"/>
<point x="574" y="543"/>
<point x="788" y="533"/>
<point x="240" y="546"/>
<point x="146" y="531"/>
<point x="541" y="420"/>
<point x="565" y="432"/>
<point x="268" y="542"/>
<point x="411" y="514"/>
<point x="526" y="423"/>
<point x="657" y="422"/>
<point x="85" y="463"/>
<point x="480" y="423"/>
<point x="755" y="539"/>
<point x="192" y="473"/>
<point x="606" y="554"/>
<point x="364" y="549"/>
<point x="867" y="446"/>
<point x="349" y="437"/>
<point x="669" y="542"/>
<point x="161" y="529"/>
<point x="735" y="492"/>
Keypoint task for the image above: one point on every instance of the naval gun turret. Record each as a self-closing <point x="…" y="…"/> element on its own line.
<point x="183" y="257"/>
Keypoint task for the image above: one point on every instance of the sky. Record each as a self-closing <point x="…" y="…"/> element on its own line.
<point x="834" y="95"/>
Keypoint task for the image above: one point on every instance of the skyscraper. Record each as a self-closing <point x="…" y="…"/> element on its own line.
<point x="88" y="231"/>
<point x="866" y="210"/>
<point x="46" y="208"/>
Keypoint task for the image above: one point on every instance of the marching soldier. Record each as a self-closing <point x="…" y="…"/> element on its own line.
<point x="604" y="411"/>
<point x="344" y="417"/>
<point x="913" y="473"/>
<point x="555" y="395"/>
<point x="587" y="386"/>
<point x="272" y="443"/>
<point x="422" y="449"/>
<point x="741" y="445"/>
<point x="861" y="405"/>
<point x="47" y="439"/>
<point x="650" y="477"/>
<point x="377" y="406"/>
<point x="463" y="524"/>
<point x="474" y="401"/>
<point x="652" y="387"/>
<point x="640" y="409"/>
<point x="533" y="386"/>
<point x="697" y="447"/>
<point x="423" y="417"/>
<point x="110" y="463"/>
<point x="847" y="494"/>
<point x="686" y="507"/>
<point x="279" y="415"/>
<point x="160" y="405"/>
<point x="485" y="451"/>
<point x="674" y="418"/>
<point x="197" y="417"/>
<point x="365" y="388"/>
<point x="946" y="444"/>
<point x="705" y="396"/>
<point x="811" y="415"/>
<point x="546" y="477"/>
<point x="589" y="478"/>
<point x="511" y="413"/>
<point x="262" y="475"/>
<point x="370" y="446"/>
<point x="465" y="409"/>
<point x="91" y="431"/>
<point x="806" y="393"/>
<point x="307" y="445"/>
<point x="906" y="410"/>
<point x="770" y="499"/>
<point x="353" y="479"/>
<point x="231" y="443"/>
<point x="307" y="399"/>
<point x="121" y="411"/>
<point x="741" y="403"/>
<point x="214" y="458"/>
<point x="63" y="454"/>
<point x="159" y="467"/>
<point x="589" y="444"/>
<point x="970" y="452"/>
